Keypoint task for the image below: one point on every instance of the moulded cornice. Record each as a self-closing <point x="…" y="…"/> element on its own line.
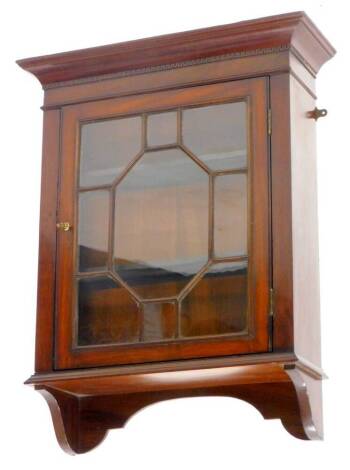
<point x="291" y="31"/>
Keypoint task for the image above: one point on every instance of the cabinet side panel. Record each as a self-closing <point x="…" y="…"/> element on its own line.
<point x="47" y="243"/>
<point x="281" y="205"/>
<point x="305" y="226"/>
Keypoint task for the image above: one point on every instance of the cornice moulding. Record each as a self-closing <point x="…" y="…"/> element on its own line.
<point x="291" y="31"/>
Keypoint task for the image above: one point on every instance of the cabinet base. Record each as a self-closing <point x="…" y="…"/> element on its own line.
<point x="85" y="404"/>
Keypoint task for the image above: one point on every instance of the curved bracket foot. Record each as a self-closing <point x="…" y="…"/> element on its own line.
<point x="308" y="390"/>
<point x="74" y="432"/>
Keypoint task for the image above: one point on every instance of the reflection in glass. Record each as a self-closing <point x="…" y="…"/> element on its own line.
<point x="162" y="129"/>
<point x="161" y="223"/>
<point x="218" y="303"/>
<point x="106" y="149"/>
<point x="217" y="135"/>
<point x="161" y="226"/>
<point x="230" y="215"/>
<point x="93" y="230"/>
<point x="159" y="321"/>
<point x="106" y="313"/>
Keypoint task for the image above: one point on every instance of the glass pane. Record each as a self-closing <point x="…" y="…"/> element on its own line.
<point x="230" y="215"/>
<point x="106" y="149"/>
<point x="93" y="230"/>
<point x="161" y="235"/>
<point x="218" y="303"/>
<point x="106" y="313"/>
<point x="162" y="129"/>
<point x="217" y="134"/>
<point x="159" y="321"/>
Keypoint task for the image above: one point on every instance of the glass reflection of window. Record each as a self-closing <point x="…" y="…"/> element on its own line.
<point x="163" y="217"/>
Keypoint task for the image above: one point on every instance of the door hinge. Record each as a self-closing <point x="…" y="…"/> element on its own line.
<point x="271" y="301"/>
<point x="269" y="121"/>
<point x="271" y="317"/>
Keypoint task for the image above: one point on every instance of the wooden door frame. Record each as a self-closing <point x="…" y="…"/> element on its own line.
<point x="255" y="91"/>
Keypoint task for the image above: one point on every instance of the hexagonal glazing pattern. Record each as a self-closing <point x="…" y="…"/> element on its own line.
<point x="161" y="223"/>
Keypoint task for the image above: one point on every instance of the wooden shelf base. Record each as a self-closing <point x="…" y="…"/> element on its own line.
<point x="85" y="405"/>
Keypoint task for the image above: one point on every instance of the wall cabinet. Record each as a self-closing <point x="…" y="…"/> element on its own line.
<point x="178" y="233"/>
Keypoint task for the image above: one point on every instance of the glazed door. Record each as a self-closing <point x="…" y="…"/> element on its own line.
<point x="167" y="252"/>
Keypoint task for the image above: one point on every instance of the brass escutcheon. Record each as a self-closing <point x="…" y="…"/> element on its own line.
<point x="64" y="226"/>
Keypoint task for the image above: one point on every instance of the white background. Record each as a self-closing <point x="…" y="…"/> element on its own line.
<point x="191" y="433"/>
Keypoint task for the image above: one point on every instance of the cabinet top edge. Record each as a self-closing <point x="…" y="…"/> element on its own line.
<point x="294" y="31"/>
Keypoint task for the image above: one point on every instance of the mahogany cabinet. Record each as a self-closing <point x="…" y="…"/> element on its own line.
<point x="178" y="234"/>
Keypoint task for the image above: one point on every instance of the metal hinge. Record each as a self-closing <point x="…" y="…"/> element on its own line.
<point x="271" y="301"/>
<point x="269" y="121"/>
<point x="271" y="316"/>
